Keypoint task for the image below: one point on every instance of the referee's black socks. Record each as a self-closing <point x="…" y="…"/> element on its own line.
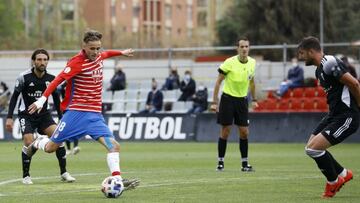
<point x="221" y="147"/>
<point x="243" y="146"/>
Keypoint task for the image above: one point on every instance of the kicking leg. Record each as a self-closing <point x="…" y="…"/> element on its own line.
<point x="113" y="161"/>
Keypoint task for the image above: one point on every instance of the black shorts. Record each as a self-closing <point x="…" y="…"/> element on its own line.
<point x="233" y="110"/>
<point x="337" y="128"/>
<point x="28" y="124"/>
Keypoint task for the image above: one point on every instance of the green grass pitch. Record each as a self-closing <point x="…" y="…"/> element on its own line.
<point x="179" y="172"/>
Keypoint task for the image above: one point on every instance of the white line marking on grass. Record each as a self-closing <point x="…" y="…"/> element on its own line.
<point x="169" y="183"/>
<point x="47" y="177"/>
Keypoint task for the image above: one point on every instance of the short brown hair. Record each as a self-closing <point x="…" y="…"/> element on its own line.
<point x="242" y="38"/>
<point x="310" y="42"/>
<point x="92" y="35"/>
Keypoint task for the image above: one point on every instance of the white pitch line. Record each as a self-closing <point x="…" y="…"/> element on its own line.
<point x="41" y="178"/>
<point x="170" y="183"/>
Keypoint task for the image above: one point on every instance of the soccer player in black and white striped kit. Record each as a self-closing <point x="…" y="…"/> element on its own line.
<point x="29" y="86"/>
<point x="343" y="97"/>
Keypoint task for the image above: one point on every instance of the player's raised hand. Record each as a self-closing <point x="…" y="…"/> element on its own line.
<point x="128" y="52"/>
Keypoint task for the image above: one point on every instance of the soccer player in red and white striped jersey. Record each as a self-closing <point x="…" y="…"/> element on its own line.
<point x="82" y="103"/>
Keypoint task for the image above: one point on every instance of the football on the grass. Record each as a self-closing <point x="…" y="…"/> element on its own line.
<point x="112" y="187"/>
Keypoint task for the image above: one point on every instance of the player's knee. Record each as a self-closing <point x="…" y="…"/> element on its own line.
<point x="225" y="132"/>
<point x="314" y="153"/>
<point x="28" y="139"/>
<point x="111" y="144"/>
<point x="27" y="143"/>
<point x="244" y="133"/>
<point x="116" y="146"/>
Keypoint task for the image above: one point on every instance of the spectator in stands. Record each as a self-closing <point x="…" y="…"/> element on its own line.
<point x="4" y="95"/>
<point x="295" y="78"/>
<point x="118" y="81"/>
<point x="154" y="101"/>
<point x="350" y="67"/>
<point x="187" y="87"/>
<point x="172" y="82"/>
<point x="200" y="103"/>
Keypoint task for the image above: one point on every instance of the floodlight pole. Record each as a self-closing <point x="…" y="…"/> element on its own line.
<point x="321" y="12"/>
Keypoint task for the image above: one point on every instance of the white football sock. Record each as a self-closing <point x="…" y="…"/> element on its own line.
<point x="113" y="161"/>
<point x="333" y="182"/>
<point x="343" y="173"/>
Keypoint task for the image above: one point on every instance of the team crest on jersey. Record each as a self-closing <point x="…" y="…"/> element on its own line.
<point x="97" y="75"/>
<point x="47" y="83"/>
<point x="67" y="70"/>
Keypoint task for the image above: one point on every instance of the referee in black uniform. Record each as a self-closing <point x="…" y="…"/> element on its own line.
<point x="238" y="73"/>
<point x="30" y="85"/>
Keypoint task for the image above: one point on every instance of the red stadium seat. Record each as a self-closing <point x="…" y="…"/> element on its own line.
<point x="270" y="95"/>
<point x="287" y="94"/>
<point x="296" y="104"/>
<point x="261" y="106"/>
<point x="297" y="92"/>
<point x="322" y="105"/>
<point x="309" y="92"/>
<point x="309" y="104"/>
<point x="320" y="92"/>
<point x="271" y="104"/>
<point x="284" y="105"/>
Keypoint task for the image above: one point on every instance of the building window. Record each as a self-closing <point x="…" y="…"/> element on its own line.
<point x="202" y="19"/>
<point x="167" y="11"/>
<point x="189" y="13"/>
<point x="152" y="11"/>
<point x="189" y="33"/>
<point x="67" y="10"/>
<point x="202" y="3"/>
<point x="168" y="31"/>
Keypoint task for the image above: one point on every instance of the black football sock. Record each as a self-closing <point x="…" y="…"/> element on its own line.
<point x="61" y="156"/>
<point x="25" y="164"/>
<point x="26" y="161"/>
<point x="326" y="166"/>
<point x="68" y="145"/>
<point x="221" y="148"/>
<point x="337" y="166"/>
<point x="76" y="142"/>
<point x="243" y="145"/>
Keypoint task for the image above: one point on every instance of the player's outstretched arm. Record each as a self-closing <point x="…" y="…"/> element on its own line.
<point x="128" y="52"/>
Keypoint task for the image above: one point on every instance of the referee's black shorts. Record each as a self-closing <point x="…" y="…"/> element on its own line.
<point x="337" y="128"/>
<point x="233" y="110"/>
<point x="28" y="124"/>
